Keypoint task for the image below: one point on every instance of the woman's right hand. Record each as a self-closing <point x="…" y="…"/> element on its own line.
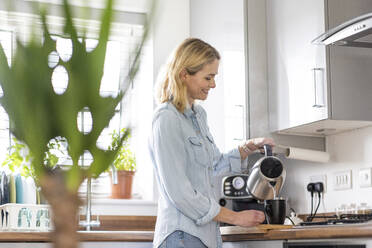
<point x="249" y="218"/>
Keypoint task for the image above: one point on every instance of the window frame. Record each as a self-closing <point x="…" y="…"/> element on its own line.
<point x="117" y="30"/>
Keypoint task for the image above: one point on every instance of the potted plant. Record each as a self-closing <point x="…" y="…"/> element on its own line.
<point x="124" y="163"/>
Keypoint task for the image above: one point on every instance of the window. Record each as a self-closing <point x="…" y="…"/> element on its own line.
<point x="134" y="111"/>
<point x="109" y="86"/>
<point x="6" y="43"/>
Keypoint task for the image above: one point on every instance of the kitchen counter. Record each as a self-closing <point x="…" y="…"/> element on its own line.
<point x="233" y="233"/>
<point x="229" y="233"/>
<point x="96" y="236"/>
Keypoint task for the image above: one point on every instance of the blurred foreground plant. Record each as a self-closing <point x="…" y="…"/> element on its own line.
<point x="38" y="115"/>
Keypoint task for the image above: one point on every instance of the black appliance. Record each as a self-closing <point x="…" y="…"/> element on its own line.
<point x="247" y="204"/>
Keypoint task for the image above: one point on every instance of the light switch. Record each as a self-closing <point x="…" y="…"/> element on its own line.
<point x="342" y="180"/>
<point x="365" y="177"/>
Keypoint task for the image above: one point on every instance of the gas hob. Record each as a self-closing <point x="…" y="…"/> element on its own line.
<point x="344" y="219"/>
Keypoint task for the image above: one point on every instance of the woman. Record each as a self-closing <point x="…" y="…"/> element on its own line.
<point x="186" y="158"/>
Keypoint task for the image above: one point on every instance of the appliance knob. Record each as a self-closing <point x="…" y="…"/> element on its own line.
<point x="238" y="183"/>
<point x="222" y="202"/>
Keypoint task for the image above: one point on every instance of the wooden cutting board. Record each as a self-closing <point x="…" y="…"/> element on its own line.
<point x="229" y="230"/>
<point x="273" y="226"/>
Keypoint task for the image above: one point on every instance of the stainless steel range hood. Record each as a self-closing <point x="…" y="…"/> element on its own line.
<point x="348" y="33"/>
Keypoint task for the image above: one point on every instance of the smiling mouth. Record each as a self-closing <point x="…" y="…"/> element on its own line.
<point x="205" y="92"/>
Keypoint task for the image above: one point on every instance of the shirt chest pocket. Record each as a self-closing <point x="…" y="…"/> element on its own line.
<point x="199" y="151"/>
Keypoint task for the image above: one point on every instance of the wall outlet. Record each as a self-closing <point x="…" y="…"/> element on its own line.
<point x="365" y="177"/>
<point x="342" y="180"/>
<point x="319" y="178"/>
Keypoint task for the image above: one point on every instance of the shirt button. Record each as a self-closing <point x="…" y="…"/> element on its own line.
<point x="212" y="186"/>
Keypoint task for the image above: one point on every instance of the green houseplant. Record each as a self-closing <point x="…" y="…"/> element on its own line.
<point x="38" y="114"/>
<point x="19" y="157"/>
<point x="18" y="160"/>
<point x="125" y="165"/>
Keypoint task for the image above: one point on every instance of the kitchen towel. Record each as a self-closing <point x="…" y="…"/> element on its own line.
<point x="306" y="154"/>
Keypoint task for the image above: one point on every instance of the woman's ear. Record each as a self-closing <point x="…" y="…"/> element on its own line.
<point x="183" y="74"/>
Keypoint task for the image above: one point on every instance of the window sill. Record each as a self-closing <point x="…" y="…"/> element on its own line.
<point x="109" y="206"/>
<point x="128" y="5"/>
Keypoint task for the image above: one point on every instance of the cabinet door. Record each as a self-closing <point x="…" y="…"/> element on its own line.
<point x="350" y="75"/>
<point x="296" y="68"/>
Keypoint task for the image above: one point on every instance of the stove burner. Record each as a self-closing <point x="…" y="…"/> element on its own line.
<point x="343" y="219"/>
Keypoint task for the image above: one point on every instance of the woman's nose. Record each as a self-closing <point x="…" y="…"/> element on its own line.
<point x="212" y="84"/>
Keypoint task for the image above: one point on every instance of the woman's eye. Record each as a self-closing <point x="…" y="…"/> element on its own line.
<point x="208" y="78"/>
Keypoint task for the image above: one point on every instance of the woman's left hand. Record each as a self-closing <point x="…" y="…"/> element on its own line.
<point x="249" y="146"/>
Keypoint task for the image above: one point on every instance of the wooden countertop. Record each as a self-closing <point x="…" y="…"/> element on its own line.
<point x="232" y="233"/>
<point x="96" y="236"/>
<point x="229" y="233"/>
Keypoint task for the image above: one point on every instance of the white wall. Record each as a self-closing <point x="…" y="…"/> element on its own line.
<point x="349" y="151"/>
<point x="171" y="27"/>
<point x="221" y="24"/>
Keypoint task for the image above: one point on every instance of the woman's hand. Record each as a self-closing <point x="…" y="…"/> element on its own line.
<point x="249" y="146"/>
<point x="248" y="218"/>
<point x="244" y="218"/>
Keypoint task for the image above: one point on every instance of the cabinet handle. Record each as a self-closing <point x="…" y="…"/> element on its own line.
<point x="318" y="74"/>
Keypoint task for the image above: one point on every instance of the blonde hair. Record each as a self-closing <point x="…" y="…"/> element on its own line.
<point x="191" y="55"/>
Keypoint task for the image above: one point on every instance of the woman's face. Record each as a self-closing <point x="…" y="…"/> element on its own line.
<point x="199" y="84"/>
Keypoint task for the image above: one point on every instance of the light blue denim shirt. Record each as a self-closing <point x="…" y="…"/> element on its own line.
<point x="186" y="158"/>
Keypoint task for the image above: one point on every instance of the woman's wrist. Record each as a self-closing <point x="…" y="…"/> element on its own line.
<point x="247" y="149"/>
<point x="226" y="216"/>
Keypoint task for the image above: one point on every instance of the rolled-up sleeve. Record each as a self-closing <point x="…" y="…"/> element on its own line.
<point x="169" y="152"/>
<point x="213" y="212"/>
<point x="227" y="162"/>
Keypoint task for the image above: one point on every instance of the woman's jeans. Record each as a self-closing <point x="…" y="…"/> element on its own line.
<point x="180" y="239"/>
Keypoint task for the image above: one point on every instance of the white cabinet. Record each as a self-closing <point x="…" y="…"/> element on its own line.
<point x="294" y="64"/>
<point x="316" y="90"/>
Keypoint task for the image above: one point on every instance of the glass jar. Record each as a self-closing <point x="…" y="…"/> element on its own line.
<point x="363" y="208"/>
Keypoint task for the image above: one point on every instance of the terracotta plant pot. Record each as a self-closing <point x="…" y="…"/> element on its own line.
<point x="122" y="190"/>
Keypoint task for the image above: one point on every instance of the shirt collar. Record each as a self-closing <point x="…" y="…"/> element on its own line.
<point x="188" y="112"/>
